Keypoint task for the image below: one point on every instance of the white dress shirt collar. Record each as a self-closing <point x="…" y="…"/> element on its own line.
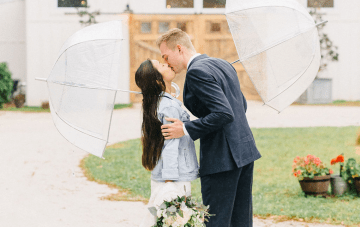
<point x="192" y="58"/>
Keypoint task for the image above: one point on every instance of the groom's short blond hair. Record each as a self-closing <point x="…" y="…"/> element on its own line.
<point x="173" y="37"/>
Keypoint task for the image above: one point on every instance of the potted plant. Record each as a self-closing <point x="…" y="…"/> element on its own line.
<point x="338" y="184"/>
<point x="352" y="174"/>
<point x="19" y="100"/>
<point x="313" y="175"/>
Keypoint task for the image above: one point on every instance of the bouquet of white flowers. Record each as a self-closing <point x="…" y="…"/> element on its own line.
<point x="180" y="212"/>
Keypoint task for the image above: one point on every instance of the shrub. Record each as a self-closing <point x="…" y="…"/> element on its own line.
<point x="45" y="105"/>
<point x="6" y="84"/>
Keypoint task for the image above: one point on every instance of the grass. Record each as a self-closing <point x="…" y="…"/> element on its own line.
<point x="34" y="109"/>
<point x="275" y="191"/>
<point x="335" y="103"/>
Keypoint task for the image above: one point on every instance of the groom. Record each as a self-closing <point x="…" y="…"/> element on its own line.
<point x="227" y="147"/>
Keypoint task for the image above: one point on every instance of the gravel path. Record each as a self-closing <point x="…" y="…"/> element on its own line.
<point x="37" y="184"/>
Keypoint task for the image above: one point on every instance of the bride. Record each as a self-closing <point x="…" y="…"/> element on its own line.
<point x="173" y="163"/>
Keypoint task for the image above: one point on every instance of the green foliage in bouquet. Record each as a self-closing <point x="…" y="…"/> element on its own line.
<point x="6" y="84"/>
<point x="182" y="211"/>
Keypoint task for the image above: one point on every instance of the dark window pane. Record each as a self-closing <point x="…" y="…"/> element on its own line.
<point x="179" y="4"/>
<point x="163" y="27"/>
<point x="182" y="26"/>
<point x="215" y="27"/>
<point x="72" y="3"/>
<point x="320" y="3"/>
<point x="214" y="3"/>
<point x="146" y="27"/>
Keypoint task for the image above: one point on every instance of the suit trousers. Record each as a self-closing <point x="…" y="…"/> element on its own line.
<point x="229" y="195"/>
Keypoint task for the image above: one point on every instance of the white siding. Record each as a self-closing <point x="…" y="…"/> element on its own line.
<point x="33" y="31"/>
<point x="343" y="29"/>
<point x="12" y="37"/>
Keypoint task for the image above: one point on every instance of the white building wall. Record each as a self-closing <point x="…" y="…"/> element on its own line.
<point x="12" y="37"/>
<point x="47" y="29"/>
<point x="343" y="29"/>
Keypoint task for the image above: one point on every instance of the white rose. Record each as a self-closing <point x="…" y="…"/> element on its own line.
<point x="159" y="213"/>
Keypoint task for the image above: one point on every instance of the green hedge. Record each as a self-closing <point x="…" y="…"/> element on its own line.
<point x="6" y="84"/>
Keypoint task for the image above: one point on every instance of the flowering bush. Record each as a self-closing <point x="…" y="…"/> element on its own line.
<point x="309" y="166"/>
<point x="352" y="170"/>
<point x="339" y="159"/>
<point x="180" y="212"/>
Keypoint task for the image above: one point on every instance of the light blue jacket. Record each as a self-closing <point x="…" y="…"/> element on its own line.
<point x="178" y="160"/>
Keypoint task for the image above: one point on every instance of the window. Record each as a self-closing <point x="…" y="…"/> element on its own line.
<point x="215" y="27"/>
<point x="145" y="27"/>
<point x="321" y="3"/>
<point x="182" y="26"/>
<point x="214" y="3"/>
<point x="179" y="4"/>
<point x="163" y="27"/>
<point x="72" y="3"/>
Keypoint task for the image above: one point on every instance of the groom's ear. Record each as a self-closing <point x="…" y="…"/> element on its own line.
<point x="178" y="46"/>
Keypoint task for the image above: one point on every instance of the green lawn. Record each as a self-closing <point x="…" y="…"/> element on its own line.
<point x="39" y="109"/>
<point x="335" y="103"/>
<point x="275" y="190"/>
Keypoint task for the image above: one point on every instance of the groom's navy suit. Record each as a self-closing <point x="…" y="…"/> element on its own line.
<point x="227" y="147"/>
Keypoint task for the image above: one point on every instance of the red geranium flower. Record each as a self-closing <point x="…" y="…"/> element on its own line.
<point x="340" y="158"/>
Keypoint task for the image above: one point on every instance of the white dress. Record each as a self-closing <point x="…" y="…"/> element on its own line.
<point x="161" y="191"/>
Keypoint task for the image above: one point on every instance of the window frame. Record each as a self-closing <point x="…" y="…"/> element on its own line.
<point x="327" y="10"/>
<point x="307" y="5"/>
<point x="194" y="5"/>
<point x="57" y="7"/>
<point x="212" y="8"/>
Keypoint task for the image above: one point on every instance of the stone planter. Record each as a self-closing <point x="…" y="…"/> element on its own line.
<point x="19" y="100"/>
<point x="319" y="185"/>
<point x="319" y="92"/>
<point x="338" y="185"/>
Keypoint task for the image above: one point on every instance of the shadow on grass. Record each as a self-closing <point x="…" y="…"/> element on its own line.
<point x="276" y="193"/>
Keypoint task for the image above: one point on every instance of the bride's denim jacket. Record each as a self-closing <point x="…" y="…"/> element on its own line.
<point x="178" y="160"/>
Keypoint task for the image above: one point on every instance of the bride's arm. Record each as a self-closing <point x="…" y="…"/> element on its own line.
<point x="170" y="152"/>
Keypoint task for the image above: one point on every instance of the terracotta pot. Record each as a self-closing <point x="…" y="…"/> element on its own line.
<point x="357" y="184"/>
<point x="338" y="185"/>
<point x="316" y="186"/>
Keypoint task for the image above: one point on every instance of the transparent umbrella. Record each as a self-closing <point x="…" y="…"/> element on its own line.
<point x="83" y="84"/>
<point x="278" y="44"/>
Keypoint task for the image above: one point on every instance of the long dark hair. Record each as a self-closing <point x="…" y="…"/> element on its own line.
<point x="151" y="83"/>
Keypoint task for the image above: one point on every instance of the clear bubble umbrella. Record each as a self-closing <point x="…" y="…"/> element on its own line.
<point x="278" y="44"/>
<point x="83" y="84"/>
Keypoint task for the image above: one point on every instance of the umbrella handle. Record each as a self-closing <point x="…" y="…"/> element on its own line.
<point x="323" y="22"/>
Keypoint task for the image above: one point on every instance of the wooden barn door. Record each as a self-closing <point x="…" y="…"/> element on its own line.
<point x="209" y="33"/>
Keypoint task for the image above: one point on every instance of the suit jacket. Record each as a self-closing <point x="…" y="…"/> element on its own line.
<point x="212" y="94"/>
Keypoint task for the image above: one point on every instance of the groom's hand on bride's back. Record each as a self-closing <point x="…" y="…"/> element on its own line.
<point x="174" y="130"/>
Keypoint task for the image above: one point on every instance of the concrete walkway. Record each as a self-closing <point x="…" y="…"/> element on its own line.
<point x="38" y="188"/>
